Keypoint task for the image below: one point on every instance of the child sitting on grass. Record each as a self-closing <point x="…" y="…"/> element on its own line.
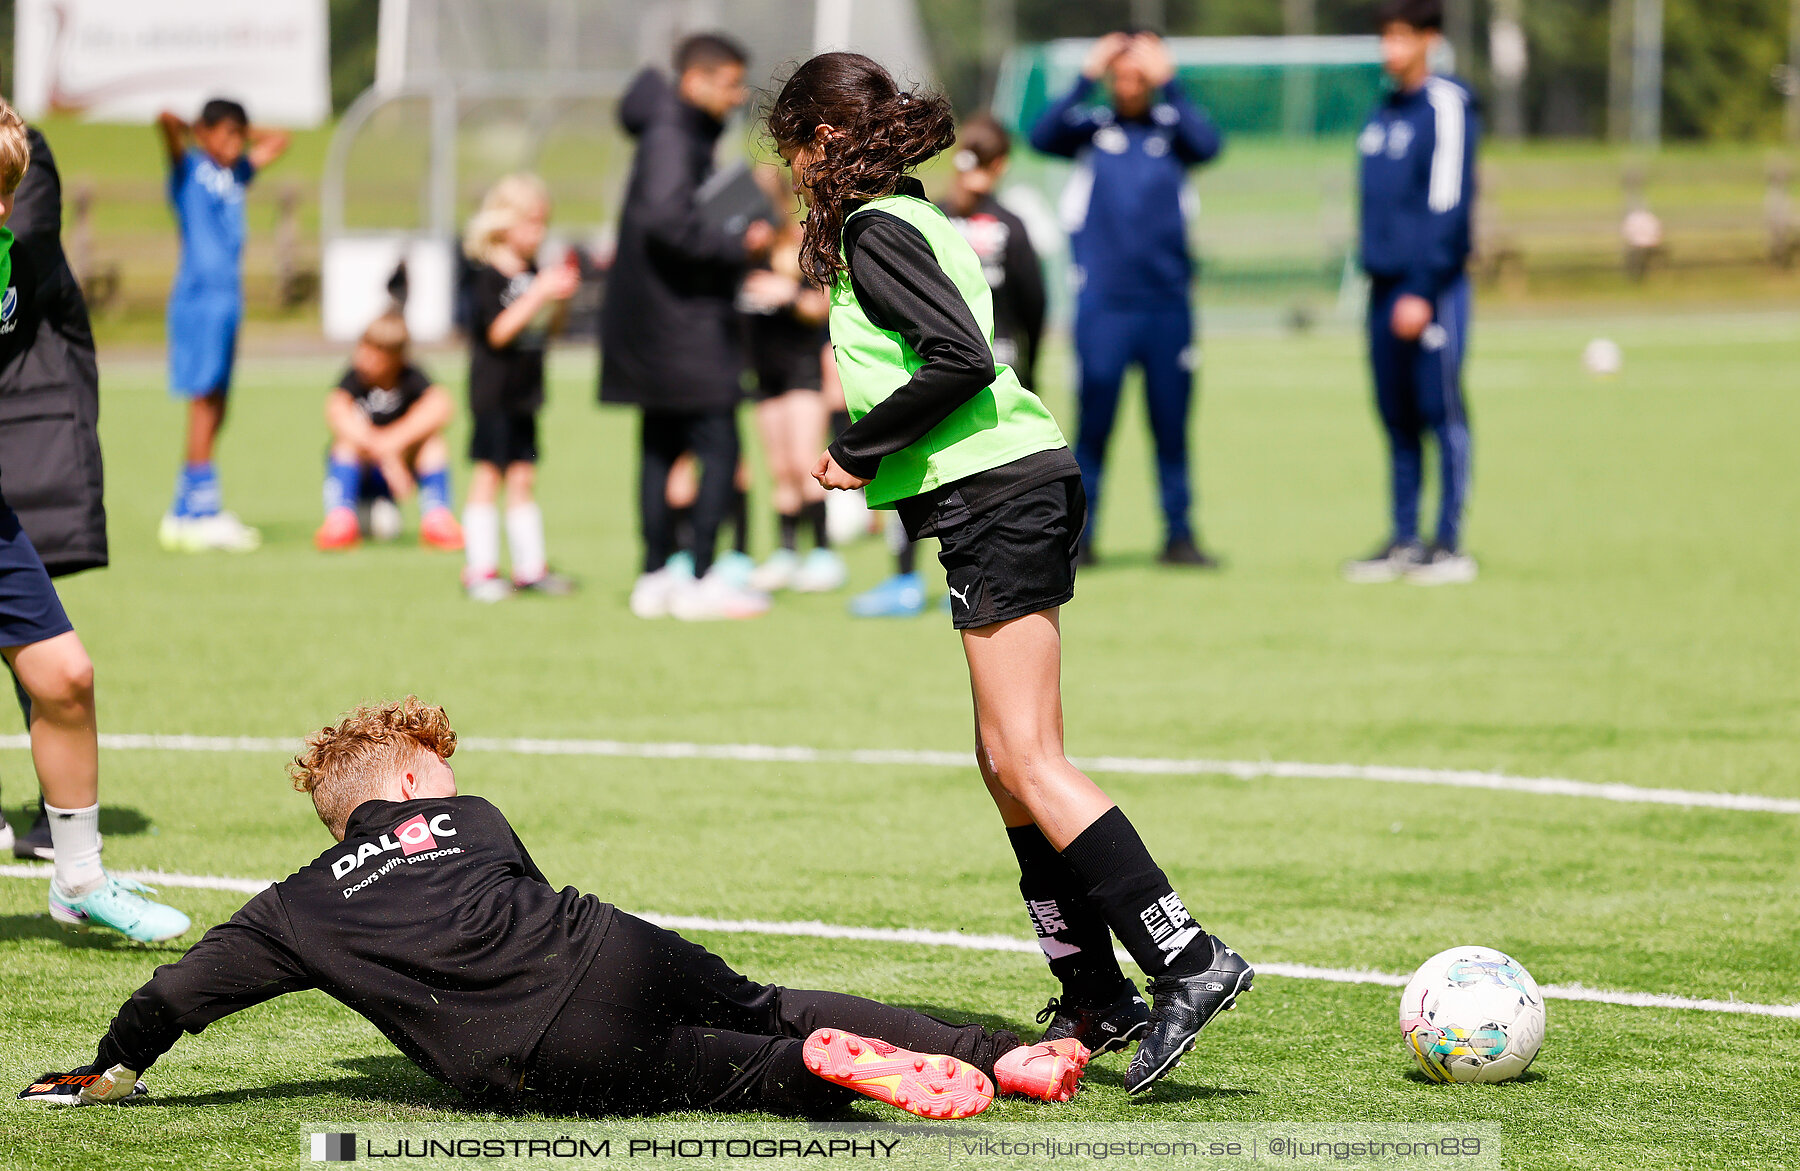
<point x="387" y="421"/>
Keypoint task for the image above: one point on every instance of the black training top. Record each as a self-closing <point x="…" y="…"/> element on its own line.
<point x="385" y="404"/>
<point x="1015" y="279"/>
<point x="510" y="377"/>
<point x="430" y="920"/>
<point x="784" y="351"/>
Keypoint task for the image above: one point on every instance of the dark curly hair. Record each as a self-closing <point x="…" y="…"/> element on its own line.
<point x="883" y="132"/>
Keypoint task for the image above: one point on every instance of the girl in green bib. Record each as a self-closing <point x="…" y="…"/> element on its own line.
<point x="950" y="439"/>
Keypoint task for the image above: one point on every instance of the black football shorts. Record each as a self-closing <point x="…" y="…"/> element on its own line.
<point x="1015" y="558"/>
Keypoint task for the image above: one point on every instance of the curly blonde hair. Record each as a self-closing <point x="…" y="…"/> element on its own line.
<point x="351" y="761"/>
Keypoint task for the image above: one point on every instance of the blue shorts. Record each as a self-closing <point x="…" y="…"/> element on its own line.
<point x="202" y="342"/>
<point x="30" y="611"/>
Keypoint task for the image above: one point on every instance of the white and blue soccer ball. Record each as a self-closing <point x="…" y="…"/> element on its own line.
<point x="1472" y="1014"/>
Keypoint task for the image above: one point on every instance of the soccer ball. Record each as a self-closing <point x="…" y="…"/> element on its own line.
<point x="384" y="519"/>
<point x="1472" y="1014"/>
<point x="1603" y="358"/>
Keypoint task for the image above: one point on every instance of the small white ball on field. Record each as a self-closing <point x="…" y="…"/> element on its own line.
<point x="384" y="520"/>
<point x="1603" y="358"/>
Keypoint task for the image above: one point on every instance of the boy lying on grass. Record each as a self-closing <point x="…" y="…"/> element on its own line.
<point x="429" y="919"/>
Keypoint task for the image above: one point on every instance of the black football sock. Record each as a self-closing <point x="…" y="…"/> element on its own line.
<point x="739" y="517"/>
<point x="681" y="524"/>
<point x="1140" y="906"/>
<point x="814" y="514"/>
<point x="790" y="530"/>
<point x="1069" y="927"/>
<point x="907" y="559"/>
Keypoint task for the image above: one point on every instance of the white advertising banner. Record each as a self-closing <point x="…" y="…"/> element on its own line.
<point x="128" y="60"/>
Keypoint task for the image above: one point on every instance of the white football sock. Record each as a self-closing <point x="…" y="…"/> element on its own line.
<point x="481" y="539"/>
<point x="525" y="540"/>
<point x="75" y="834"/>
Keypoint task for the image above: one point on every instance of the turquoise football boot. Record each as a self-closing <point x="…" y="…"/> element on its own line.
<point x="118" y="905"/>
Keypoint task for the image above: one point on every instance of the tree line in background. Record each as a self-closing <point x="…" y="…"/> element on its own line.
<point x="1722" y="59"/>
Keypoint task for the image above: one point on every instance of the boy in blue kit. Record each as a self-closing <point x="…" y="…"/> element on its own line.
<point x="207" y="182"/>
<point x="1418" y="185"/>
<point x="37" y="639"/>
<point x="1125" y="208"/>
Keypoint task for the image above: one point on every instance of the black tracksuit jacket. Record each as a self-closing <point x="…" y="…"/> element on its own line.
<point x="430" y="920"/>
<point x="668" y="329"/>
<point x="50" y="470"/>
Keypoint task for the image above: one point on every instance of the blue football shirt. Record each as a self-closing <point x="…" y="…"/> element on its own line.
<point x="209" y="204"/>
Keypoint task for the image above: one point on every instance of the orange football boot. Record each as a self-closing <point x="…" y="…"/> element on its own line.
<point x="340" y="530"/>
<point x="439" y="529"/>
<point x="930" y="1085"/>
<point x="1049" y="1071"/>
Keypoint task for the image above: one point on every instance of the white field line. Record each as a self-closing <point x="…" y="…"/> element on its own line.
<point x="157" y="878"/>
<point x="814" y="929"/>
<point x="1243" y="770"/>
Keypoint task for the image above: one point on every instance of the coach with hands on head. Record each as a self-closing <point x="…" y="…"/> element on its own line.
<point x="1125" y="210"/>
<point x="669" y="334"/>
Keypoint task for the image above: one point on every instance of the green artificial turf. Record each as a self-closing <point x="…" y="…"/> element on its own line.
<point x="1634" y="622"/>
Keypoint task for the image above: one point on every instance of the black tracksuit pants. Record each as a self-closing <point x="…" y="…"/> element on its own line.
<point x="713" y="438"/>
<point x="659" y="1023"/>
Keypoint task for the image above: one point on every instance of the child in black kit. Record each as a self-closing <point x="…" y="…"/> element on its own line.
<point x="513" y="310"/>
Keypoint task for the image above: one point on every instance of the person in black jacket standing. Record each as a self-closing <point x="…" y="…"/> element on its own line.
<point x="669" y="339"/>
<point x="49" y="422"/>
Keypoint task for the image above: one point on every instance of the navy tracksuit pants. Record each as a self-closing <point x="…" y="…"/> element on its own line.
<point x="1418" y="388"/>
<point x="1157" y="338"/>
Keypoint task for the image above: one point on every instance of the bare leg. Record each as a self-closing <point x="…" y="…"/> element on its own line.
<point x="684" y="482"/>
<point x="1015" y="669"/>
<point x="521" y="483"/>
<point x="484" y="483"/>
<point x="431" y="455"/>
<point x="206" y="415"/>
<point x="65" y="747"/>
<point x="773" y="422"/>
<point x="806" y="424"/>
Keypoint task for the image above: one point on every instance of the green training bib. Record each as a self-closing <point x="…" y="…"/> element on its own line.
<point x="1003" y="423"/>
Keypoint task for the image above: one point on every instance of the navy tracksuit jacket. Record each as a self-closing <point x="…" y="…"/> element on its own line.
<point x="1124" y="208"/>
<point x="1418" y="187"/>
